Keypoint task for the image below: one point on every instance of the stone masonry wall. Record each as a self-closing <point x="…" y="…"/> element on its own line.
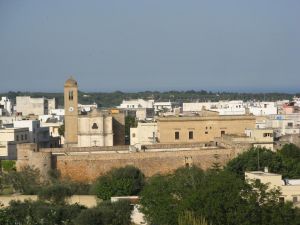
<point x="88" y="167"/>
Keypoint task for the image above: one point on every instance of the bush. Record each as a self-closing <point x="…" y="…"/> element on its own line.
<point x="119" y="182"/>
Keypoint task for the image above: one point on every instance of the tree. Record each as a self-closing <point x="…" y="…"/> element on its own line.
<point x="221" y="197"/>
<point x="285" y="161"/>
<point x="165" y="197"/>
<point x="55" y="193"/>
<point x="38" y="213"/>
<point x="117" y="213"/>
<point x="26" y="181"/>
<point x="290" y="155"/>
<point x="61" y="130"/>
<point x="119" y="182"/>
<point x="90" y="217"/>
<point x="255" y="159"/>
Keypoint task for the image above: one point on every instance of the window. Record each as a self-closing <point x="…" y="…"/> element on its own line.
<point x="95" y="126"/>
<point x="25" y="136"/>
<point x="206" y="132"/>
<point x="176" y="135"/>
<point x="71" y="95"/>
<point x="290" y="124"/>
<point x="133" y="134"/>
<point x="222" y="132"/>
<point x="17" y="137"/>
<point x="191" y="135"/>
<point x="22" y="137"/>
<point x="281" y="199"/>
<point x="295" y="199"/>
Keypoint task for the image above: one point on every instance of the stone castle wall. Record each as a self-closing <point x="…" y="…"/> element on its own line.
<point x="86" y="166"/>
<point x="90" y="166"/>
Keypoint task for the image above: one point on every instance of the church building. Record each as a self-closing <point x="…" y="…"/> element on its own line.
<point x="90" y="129"/>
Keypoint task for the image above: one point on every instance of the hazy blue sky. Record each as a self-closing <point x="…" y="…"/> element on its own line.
<point x="132" y="45"/>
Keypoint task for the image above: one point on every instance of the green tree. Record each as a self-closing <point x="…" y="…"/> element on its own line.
<point x="55" y="193"/>
<point x="165" y="197"/>
<point x="290" y="155"/>
<point x="119" y="182"/>
<point x="61" y="130"/>
<point x="117" y="213"/>
<point x="221" y="197"/>
<point x="255" y="159"/>
<point x="26" y="181"/>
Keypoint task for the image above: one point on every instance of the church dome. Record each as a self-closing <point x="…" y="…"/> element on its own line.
<point x="71" y="82"/>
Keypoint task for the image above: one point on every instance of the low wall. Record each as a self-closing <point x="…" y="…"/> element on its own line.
<point x="88" y="201"/>
<point x="87" y="167"/>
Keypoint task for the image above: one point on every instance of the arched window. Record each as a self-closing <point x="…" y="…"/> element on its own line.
<point x="95" y="126"/>
<point x="71" y="95"/>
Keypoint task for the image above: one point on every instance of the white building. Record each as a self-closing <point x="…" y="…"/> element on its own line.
<point x="163" y="106"/>
<point x="223" y="107"/>
<point x="5" y="107"/>
<point x="143" y="134"/>
<point x="9" y="119"/>
<point x="237" y="107"/>
<point x="136" y="103"/>
<point x="284" y="124"/>
<point x="87" y="108"/>
<point x="262" y="108"/>
<point x="57" y="112"/>
<point x="9" y="138"/>
<point x="53" y="124"/>
<point x="37" y="134"/>
<point x="25" y="105"/>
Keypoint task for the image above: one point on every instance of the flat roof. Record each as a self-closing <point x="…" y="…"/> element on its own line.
<point x="261" y="173"/>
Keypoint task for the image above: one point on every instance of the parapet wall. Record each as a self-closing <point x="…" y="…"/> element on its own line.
<point x="90" y="166"/>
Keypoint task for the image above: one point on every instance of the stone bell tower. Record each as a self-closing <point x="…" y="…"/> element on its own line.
<point x="71" y="112"/>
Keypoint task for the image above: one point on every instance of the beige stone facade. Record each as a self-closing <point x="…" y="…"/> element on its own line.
<point x="95" y="129"/>
<point x="201" y="128"/>
<point x="71" y="112"/>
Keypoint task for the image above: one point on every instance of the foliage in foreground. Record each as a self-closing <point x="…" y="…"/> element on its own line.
<point x="219" y="196"/>
<point x="42" y="213"/>
<point x="119" y="182"/>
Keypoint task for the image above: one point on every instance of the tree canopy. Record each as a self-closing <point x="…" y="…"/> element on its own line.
<point x="119" y="182"/>
<point x="221" y="197"/>
<point x="285" y="161"/>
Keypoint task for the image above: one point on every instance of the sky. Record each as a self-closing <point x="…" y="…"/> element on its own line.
<point x="158" y="45"/>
